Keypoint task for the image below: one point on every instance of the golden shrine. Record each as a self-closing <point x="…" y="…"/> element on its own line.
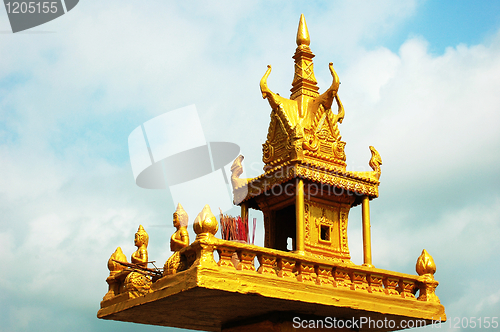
<point x="305" y="194"/>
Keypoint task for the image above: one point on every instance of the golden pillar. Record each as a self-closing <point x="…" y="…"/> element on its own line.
<point x="299" y="217"/>
<point x="244" y="211"/>
<point x="367" y="241"/>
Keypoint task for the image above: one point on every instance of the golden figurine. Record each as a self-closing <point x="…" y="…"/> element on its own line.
<point x="136" y="283"/>
<point x="140" y="256"/>
<point x="180" y="238"/>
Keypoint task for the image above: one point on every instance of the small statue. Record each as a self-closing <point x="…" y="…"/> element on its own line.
<point x="140" y="256"/>
<point x="180" y="238"/>
<point x="136" y="283"/>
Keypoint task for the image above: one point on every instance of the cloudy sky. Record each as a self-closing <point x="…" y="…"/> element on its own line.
<point x="420" y="82"/>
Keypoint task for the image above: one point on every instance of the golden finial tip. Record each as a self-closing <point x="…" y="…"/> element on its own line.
<point x="303" y="33"/>
<point x="425" y="264"/>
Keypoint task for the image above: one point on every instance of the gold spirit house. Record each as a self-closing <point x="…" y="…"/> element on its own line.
<point x="305" y="194"/>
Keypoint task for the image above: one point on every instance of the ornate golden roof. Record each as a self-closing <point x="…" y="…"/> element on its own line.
<point x="304" y="124"/>
<point x="304" y="139"/>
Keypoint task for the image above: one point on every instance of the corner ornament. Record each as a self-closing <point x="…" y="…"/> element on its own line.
<point x="236" y="171"/>
<point x="427" y="285"/>
<point x="205" y="225"/>
<point x="375" y="162"/>
<point x="240" y="185"/>
<point x="114" y="268"/>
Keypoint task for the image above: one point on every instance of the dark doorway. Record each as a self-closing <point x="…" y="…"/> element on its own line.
<point x="285" y="228"/>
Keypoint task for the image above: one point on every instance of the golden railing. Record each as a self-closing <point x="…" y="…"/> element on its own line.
<point x="289" y="266"/>
<point x="307" y="269"/>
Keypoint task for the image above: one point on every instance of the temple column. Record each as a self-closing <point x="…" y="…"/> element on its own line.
<point x="367" y="241"/>
<point x="244" y="211"/>
<point x="299" y="217"/>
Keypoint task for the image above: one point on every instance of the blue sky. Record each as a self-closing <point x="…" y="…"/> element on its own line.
<point x="446" y="24"/>
<point x="419" y="82"/>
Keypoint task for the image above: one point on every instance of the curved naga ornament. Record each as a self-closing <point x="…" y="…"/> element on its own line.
<point x="287" y="109"/>
<point x="325" y="101"/>
<point x="239" y="185"/>
<point x="320" y="111"/>
<point x="374" y="163"/>
<point x="236" y="171"/>
<point x="275" y="100"/>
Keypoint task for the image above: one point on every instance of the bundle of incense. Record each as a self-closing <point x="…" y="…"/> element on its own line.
<point x="254" y="226"/>
<point x="234" y="228"/>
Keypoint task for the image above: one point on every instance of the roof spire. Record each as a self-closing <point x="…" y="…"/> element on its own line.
<point x="302" y="32"/>
<point x="304" y="83"/>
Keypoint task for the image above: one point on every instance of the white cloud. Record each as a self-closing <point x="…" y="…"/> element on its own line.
<point x="437" y="112"/>
<point x="72" y="97"/>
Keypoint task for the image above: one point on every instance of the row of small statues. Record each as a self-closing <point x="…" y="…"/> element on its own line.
<point x="178" y="240"/>
<point x="137" y="278"/>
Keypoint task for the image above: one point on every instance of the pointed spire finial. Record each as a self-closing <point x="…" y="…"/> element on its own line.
<point x="304" y="83"/>
<point x="303" y="33"/>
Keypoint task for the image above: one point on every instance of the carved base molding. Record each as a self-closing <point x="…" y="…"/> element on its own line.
<point x="283" y="282"/>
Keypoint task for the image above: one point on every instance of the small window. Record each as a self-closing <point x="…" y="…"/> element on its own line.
<point x="289" y="244"/>
<point x="325" y="233"/>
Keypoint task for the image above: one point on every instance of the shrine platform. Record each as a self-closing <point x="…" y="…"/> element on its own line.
<point x="212" y="295"/>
